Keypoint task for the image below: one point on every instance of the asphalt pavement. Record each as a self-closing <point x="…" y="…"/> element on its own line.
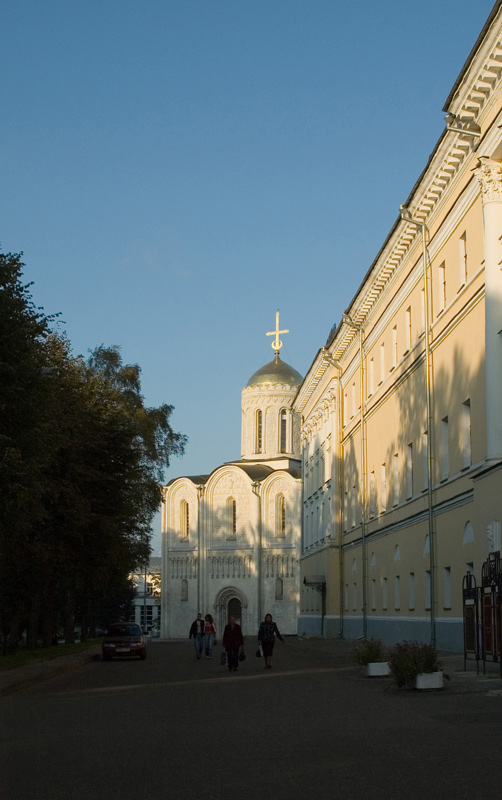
<point x="476" y="677"/>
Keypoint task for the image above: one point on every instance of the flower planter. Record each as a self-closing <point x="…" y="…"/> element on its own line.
<point x="377" y="669"/>
<point x="428" y="680"/>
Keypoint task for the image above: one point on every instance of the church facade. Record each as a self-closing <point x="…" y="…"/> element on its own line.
<point x="402" y="407"/>
<point x="231" y="539"/>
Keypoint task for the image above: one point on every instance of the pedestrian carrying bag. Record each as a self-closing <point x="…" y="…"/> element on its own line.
<point x="259" y="652"/>
<point x="223" y="658"/>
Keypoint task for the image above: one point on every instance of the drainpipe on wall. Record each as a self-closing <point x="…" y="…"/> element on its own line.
<point x="336" y="364"/>
<point x="406" y="217"/>
<point x="359" y="328"/>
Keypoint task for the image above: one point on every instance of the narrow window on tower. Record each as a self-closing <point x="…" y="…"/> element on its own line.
<point x="283" y="423"/>
<point x="184" y="520"/>
<point x="231" y="518"/>
<point x="259" y="431"/>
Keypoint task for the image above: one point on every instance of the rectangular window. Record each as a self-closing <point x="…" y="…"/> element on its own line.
<point x="353" y="506"/>
<point x="422" y="310"/>
<point x="384" y="594"/>
<point x="442" y="287"/>
<point x="345" y="408"/>
<point x="394" y="346"/>
<point x="428" y="593"/>
<point x="371" y="371"/>
<point x="447" y="587"/>
<point x="372" y="494"/>
<point x="353" y="394"/>
<point x="409" y="470"/>
<point x="466" y="434"/>
<point x="462" y="259"/>
<point x="408" y="329"/>
<point x="354" y="596"/>
<point x="397" y="593"/>
<point x="445" y="456"/>
<point x="383" y="482"/>
<point x="345" y="510"/>
<point x="395" y="478"/>
<point x="346" y="597"/>
<point x="382" y="362"/>
<point x="425" y="460"/>
<point x="373" y="594"/>
<point x="411" y="591"/>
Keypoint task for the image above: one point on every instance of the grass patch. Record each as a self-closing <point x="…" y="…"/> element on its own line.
<point x="23" y="656"/>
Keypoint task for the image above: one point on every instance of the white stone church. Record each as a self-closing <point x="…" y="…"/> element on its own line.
<point x="231" y="539"/>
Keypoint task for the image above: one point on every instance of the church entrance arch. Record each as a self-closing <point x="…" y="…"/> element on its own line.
<point x="234" y="609"/>
<point x="230" y="602"/>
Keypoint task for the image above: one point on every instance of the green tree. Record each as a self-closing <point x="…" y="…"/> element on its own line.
<point x="81" y="463"/>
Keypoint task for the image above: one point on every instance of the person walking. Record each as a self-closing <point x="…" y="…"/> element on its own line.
<point x="209" y="635"/>
<point x="232" y="642"/>
<point x="266" y="638"/>
<point x="197" y="633"/>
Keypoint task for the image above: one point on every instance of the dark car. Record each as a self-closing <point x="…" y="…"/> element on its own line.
<point x="124" y="639"/>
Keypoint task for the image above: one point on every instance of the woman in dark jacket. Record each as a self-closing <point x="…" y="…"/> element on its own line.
<point x="266" y="638"/>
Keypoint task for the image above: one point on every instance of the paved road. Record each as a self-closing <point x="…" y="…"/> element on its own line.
<point x="313" y="726"/>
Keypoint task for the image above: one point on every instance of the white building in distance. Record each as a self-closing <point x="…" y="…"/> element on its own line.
<point x="231" y="539"/>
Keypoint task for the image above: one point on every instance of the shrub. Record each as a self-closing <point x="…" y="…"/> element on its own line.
<point x="408" y="658"/>
<point x="369" y="651"/>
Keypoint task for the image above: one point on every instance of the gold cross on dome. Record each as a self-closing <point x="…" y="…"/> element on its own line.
<point x="276" y="344"/>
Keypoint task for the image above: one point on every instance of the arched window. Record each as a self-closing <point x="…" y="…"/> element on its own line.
<point x="184" y="519"/>
<point x="231" y="518"/>
<point x="280" y="516"/>
<point x="184" y="589"/>
<point x="279" y="588"/>
<point x="283" y="430"/>
<point x="259" y="431"/>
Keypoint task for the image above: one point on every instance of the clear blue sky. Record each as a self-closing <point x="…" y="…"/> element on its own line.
<point x="176" y="170"/>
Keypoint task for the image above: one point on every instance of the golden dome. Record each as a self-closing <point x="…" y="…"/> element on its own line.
<point x="276" y="371"/>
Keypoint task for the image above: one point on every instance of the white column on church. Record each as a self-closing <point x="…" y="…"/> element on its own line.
<point x="489" y="175"/>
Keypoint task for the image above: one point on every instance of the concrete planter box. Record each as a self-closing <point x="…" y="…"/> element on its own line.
<point x="377" y="669"/>
<point x="428" y="680"/>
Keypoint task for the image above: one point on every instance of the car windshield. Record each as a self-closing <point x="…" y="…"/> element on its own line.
<point x="124" y="630"/>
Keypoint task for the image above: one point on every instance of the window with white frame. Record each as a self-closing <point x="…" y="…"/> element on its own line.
<point x="408" y="329"/>
<point x="442" y="287"/>
<point x="372" y="494"/>
<point x="428" y="589"/>
<point x="371" y="375"/>
<point x="395" y="478"/>
<point x="462" y="259"/>
<point x="411" y="591"/>
<point x="382" y="362"/>
<point x="397" y="593"/>
<point x="465" y="423"/>
<point x="394" y="346"/>
<point x="425" y="460"/>
<point x="445" y="455"/>
<point x="409" y="470"/>
<point x="383" y="487"/>
<point x="447" y="587"/>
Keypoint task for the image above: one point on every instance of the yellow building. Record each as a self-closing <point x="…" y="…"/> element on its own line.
<point x="402" y="409"/>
